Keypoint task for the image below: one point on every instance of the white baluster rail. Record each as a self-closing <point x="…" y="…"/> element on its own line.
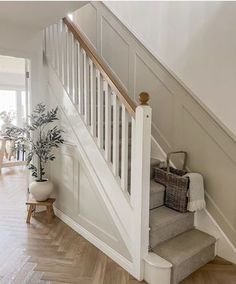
<point x="121" y="130"/>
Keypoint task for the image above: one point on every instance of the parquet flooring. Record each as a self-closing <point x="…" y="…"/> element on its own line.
<point x="40" y="253"/>
<point x="46" y="253"/>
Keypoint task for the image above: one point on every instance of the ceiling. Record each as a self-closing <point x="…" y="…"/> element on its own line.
<point x="35" y="15"/>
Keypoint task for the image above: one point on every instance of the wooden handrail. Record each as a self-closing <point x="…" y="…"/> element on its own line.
<point x="102" y="67"/>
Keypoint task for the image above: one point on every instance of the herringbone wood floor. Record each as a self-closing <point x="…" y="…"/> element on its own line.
<point x="46" y="253"/>
<point x="43" y="253"/>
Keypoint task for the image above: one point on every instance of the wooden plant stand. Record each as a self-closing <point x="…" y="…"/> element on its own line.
<point x="49" y="206"/>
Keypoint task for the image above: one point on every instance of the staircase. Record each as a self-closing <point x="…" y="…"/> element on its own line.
<point x="174" y="238"/>
<point x="121" y="132"/>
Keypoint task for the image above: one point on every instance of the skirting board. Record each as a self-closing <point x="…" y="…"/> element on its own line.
<point x="206" y="223"/>
<point x="123" y="262"/>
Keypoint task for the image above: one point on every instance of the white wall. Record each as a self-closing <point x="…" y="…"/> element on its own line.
<point x="25" y="43"/>
<point x="196" y="41"/>
<point x="21" y="35"/>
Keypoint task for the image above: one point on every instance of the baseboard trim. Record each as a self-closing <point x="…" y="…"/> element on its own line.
<point x="206" y="223"/>
<point x="114" y="255"/>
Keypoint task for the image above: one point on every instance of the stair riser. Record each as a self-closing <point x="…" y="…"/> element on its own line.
<point x="170" y="230"/>
<point x="192" y="264"/>
<point x="154" y="163"/>
<point x="152" y="172"/>
<point x="157" y="199"/>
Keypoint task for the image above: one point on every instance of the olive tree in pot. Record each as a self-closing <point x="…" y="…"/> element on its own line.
<point x="39" y="139"/>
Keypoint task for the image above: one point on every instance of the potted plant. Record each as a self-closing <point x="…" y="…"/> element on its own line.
<point x="39" y="140"/>
<point x="7" y="118"/>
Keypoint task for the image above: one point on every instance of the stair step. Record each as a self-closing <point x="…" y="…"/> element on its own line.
<point x="187" y="252"/>
<point x="154" y="163"/>
<point x="166" y="223"/>
<point x="157" y="192"/>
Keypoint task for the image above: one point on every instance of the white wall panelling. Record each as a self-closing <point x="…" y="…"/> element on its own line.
<point x="194" y="40"/>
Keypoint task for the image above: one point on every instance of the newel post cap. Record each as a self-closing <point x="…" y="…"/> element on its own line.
<point x="144" y="98"/>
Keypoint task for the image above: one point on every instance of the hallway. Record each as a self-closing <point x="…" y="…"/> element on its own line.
<point x="42" y="253"/>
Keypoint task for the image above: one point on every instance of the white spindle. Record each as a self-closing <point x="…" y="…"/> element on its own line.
<point x="46" y="43"/>
<point x="51" y="45"/>
<point x="80" y="77"/>
<point x="92" y="77"/>
<point x="65" y="64"/>
<point x="54" y="46"/>
<point x="107" y="91"/>
<point x="62" y="51"/>
<point x="115" y="140"/>
<point x="70" y="65"/>
<point x="86" y="87"/>
<point x="59" y="30"/>
<point x="73" y="69"/>
<point x="75" y="72"/>
<point x="124" y="149"/>
<point x="100" y="108"/>
<point x="68" y="61"/>
<point x="55" y="31"/>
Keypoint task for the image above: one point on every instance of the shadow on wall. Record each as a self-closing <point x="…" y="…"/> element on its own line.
<point x="207" y="62"/>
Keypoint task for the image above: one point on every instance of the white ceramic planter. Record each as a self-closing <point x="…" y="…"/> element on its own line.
<point x="41" y="190"/>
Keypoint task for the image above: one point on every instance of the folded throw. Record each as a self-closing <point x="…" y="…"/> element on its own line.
<point x="196" y="200"/>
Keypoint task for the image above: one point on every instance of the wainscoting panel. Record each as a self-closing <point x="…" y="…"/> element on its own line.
<point x="93" y="215"/>
<point x="180" y="120"/>
<point x="87" y="19"/>
<point x="115" y="51"/>
<point x="64" y="172"/>
<point x="77" y="196"/>
<point x="161" y="100"/>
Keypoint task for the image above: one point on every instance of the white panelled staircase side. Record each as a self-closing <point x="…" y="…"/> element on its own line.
<point x="120" y="130"/>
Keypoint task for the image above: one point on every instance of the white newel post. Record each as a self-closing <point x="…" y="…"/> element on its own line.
<point x="140" y="182"/>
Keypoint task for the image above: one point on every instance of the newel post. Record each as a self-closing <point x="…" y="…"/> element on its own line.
<point x="140" y="180"/>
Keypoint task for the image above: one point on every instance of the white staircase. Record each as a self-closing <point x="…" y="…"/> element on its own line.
<point x="114" y="138"/>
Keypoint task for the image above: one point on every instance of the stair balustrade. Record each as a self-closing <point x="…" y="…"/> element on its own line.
<point x="120" y="128"/>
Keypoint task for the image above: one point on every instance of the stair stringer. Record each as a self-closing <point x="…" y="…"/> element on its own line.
<point x="115" y="200"/>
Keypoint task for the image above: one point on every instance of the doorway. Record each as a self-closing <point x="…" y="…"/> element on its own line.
<point x="14" y="106"/>
<point x="14" y="90"/>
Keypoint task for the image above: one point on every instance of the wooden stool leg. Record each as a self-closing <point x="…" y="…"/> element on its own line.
<point x="49" y="214"/>
<point x="29" y="214"/>
<point x="33" y="210"/>
<point x="53" y="214"/>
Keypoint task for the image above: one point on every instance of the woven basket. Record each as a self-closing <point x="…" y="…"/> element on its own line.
<point x="176" y="194"/>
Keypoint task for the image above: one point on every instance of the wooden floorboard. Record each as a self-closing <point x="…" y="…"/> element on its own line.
<point x="42" y="253"/>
